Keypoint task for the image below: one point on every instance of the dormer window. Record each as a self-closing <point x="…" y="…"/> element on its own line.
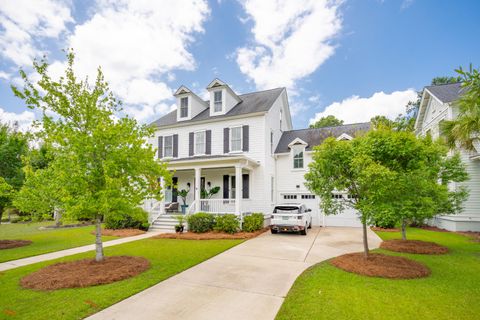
<point x="217" y="101"/>
<point x="184" y="107"/>
<point x="298" y="151"/>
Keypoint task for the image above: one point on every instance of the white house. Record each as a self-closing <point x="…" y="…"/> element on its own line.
<point x="437" y="105"/>
<point x="243" y="144"/>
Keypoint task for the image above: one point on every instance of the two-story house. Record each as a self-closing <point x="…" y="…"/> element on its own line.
<point x="243" y="144"/>
<point x="437" y="105"/>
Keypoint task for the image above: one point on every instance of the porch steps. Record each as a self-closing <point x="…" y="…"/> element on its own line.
<point x="164" y="223"/>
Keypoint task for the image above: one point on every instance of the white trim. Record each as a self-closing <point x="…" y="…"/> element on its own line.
<point x="344" y="136"/>
<point x="297" y="141"/>
<point x="292" y="152"/>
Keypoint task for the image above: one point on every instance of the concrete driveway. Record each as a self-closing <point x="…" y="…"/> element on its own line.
<point x="249" y="281"/>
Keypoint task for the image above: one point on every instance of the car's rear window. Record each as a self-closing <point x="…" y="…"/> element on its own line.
<point x="286" y="209"/>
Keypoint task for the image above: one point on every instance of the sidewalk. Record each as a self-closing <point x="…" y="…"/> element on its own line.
<point x="68" y="252"/>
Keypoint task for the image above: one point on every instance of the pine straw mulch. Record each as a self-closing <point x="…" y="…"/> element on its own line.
<point x="85" y="273"/>
<point x="381" y="265"/>
<point x="9" y="244"/>
<point x="213" y="235"/>
<point x="385" y="229"/>
<point x="121" y="232"/>
<point x="474" y="235"/>
<point x="413" y="246"/>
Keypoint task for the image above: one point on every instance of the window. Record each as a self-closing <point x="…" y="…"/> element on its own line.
<point x="233" y="186"/>
<point x="217" y="101"/>
<point x="168" y="146"/>
<point x="184" y="107"/>
<point x="271" y="142"/>
<point x="236" y="139"/>
<point x="336" y="196"/>
<point x="200" y="142"/>
<point x="289" y="196"/>
<point x="298" y="156"/>
<point x="308" y="196"/>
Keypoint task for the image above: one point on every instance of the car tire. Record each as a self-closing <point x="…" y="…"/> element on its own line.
<point x="273" y="231"/>
<point x="310" y="225"/>
<point x="303" y="232"/>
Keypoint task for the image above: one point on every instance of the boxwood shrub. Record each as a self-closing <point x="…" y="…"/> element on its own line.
<point x="227" y="223"/>
<point x="253" y="222"/>
<point x="137" y="218"/>
<point x="201" y="222"/>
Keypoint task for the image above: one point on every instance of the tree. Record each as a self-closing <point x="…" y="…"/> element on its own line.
<point x="341" y="166"/>
<point x="102" y="168"/>
<point x="465" y="129"/>
<point x="13" y="145"/>
<point x="328" y="121"/>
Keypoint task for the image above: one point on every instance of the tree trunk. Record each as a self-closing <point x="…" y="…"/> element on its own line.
<point x="98" y="240"/>
<point x="58" y="217"/>
<point x="1" y="215"/>
<point x="404" y="230"/>
<point x="365" y="240"/>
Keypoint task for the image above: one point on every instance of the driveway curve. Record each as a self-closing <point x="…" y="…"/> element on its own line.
<point x="249" y="281"/>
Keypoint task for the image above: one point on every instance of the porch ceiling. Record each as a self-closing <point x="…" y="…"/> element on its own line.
<point x="211" y="161"/>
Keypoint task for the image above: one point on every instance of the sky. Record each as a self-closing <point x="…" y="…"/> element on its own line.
<point x="354" y="58"/>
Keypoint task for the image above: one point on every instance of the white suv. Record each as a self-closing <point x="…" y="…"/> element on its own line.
<point x="291" y="217"/>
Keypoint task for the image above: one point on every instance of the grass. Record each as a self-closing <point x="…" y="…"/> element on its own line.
<point x="43" y="241"/>
<point x="167" y="257"/>
<point x="451" y="292"/>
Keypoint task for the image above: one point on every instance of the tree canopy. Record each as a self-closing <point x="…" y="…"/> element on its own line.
<point x="328" y="121"/>
<point x="101" y="165"/>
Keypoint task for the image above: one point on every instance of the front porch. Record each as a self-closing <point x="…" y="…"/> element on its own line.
<point x="212" y="184"/>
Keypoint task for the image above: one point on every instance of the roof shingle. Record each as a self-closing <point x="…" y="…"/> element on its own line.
<point x="446" y="92"/>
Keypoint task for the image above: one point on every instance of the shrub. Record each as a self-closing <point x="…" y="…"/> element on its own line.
<point x="138" y="219"/>
<point x="385" y="222"/>
<point x="201" y="222"/>
<point x="227" y="223"/>
<point x="253" y="222"/>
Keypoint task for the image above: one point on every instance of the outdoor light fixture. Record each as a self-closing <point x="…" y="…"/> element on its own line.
<point x="188" y="185"/>
<point x="209" y="184"/>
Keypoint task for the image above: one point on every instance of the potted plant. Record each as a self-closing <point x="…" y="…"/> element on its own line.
<point x="180" y="226"/>
<point x="183" y="194"/>
<point x="208" y="194"/>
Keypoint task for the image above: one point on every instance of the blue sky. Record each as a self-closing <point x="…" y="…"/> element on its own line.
<point x="353" y="59"/>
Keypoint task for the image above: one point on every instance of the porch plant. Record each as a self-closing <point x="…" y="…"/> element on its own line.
<point x="183" y="194"/>
<point x="180" y="226"/>
<point x="208" y="194"/>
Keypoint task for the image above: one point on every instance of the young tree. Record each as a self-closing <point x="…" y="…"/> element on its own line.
<point x="465" y="129"/>
<point x="328" y="121"/>
<point x="13" y="145"/>
<point x="102" y="166"/>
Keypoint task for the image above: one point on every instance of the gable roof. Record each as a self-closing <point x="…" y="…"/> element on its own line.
<point x="260" y="101"/>
<point x="446" y="92"/>
<point x="314" y="137"/>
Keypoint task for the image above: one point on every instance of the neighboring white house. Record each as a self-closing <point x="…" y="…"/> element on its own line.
<point x="243" y="144"/>
<point x="437" y="105"/>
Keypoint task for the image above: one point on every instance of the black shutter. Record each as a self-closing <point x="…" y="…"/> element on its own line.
<point x="160" y="147"/>
<point x="245" y="186"/>
<point x="245" y="135"/>
<point x="174" y="189"/>
<point x="225" y="187"/>
<point x="208" y="140"/>
<point x="175" y="145"/>
<point x="190" y="144"/>
<point x="226" y="140"/>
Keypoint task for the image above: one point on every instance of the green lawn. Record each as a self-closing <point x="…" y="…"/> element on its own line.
<point x="168" y="257"/>
<point x="451" y="292"/>
<point x="44" y="241"/>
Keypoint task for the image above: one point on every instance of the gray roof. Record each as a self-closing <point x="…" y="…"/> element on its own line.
<point x="446" y="92"/>
<point x="251" y="103"/>
<point x="314" y="137"/>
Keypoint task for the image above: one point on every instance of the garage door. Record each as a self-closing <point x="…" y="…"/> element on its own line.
<point x="347" y="218"/>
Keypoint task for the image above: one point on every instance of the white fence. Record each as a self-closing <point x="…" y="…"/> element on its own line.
<point x="217" y="205"/>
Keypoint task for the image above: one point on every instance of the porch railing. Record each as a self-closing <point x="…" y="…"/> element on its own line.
<point x="217" y="205"/>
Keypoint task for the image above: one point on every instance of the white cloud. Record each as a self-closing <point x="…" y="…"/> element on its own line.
<point x="4" y="75"/>
<point x="355" y="109"/>
<point x="23" y="23"/>
<point x="23" y="120"/>
<point x="291" y="40"/>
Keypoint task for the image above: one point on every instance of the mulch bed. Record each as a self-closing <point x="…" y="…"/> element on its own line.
<point x="431" y="228"/>
<point x="381" y="265"/>
<point x="413" y="246"/>
<point x="210" y="235"/>
<point x="385" y="229"/>
<point x="85" y="273"/>
<point x="120" y="232"/>
<point x="9" y="244"/>
<point x="475" y="235"/>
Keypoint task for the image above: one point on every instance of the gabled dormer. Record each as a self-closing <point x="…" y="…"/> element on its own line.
<point x="189" y="104"/>
<point x="222" y="98"/>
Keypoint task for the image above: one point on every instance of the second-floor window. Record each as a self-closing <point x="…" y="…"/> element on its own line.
<point x="217" y="101"/>
<point x="168" y="146"/>
<point x="298" y="156"/>
<point x="184" y="107"/>
<point x="236" y="139"/>
<point x="200" y="142"/>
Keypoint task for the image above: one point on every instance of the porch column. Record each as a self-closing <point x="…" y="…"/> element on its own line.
<point x="238" y="188"/>
<point x="162" y="201"/>
<point x="198" y="177"/>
